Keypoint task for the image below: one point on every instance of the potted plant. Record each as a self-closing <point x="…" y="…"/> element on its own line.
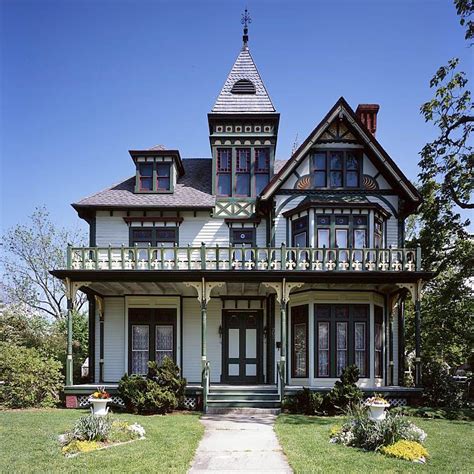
<point x="377" y="406"/>
<point x="99" y="400"/>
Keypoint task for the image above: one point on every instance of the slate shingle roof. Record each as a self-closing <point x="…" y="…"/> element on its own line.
<point x="260" y="102"/>
<point x="192" y="190"/>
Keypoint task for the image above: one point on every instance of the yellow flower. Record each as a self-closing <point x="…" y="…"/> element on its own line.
<point x="408" y="450"/>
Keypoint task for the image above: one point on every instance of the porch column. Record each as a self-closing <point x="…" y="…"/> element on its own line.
<point x="100" y="307"/>
<point x="71" y="290"/>
<point x="203" y="290"/>
<point x="283" y="290"/>
<point x="69" y="365"/>
<point x="416" y="294"/>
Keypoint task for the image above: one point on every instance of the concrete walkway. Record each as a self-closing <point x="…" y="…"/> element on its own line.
<point x="239" y="442"/>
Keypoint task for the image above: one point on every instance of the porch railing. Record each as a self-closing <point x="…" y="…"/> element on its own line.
<point x="292" y="259"/>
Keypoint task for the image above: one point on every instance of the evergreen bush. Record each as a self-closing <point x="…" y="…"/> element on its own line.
<point x="345" y="392"/>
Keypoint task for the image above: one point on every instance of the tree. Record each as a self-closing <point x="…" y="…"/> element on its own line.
<point x="28" y="254"/>
<point x="446" y="184"/>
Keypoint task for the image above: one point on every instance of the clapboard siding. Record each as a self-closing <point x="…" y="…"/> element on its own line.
<point x="114" y="339"/>
<point x="192" y="339"/>
<point x="283" y="204"/>
<point x="194" y="231"/>
<point x="111" y="230"/>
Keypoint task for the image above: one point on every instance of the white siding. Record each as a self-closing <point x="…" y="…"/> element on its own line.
<point x="111" y="229"/>
<point x="192" y="339"/>
<point x="391" y="228"/>
<point x="195" y="230"/>
<point x="114" y="339"/>
<point x="262" y="234"/>
<point x="280" y="220"/>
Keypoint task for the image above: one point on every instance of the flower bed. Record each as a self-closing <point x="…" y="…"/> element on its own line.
<point x="91" y="433"/>
<point x="383" y="435"/>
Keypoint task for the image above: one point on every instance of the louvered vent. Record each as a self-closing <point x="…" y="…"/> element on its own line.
<point x="243" y="86"/>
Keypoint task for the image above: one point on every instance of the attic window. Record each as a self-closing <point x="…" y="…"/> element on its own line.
<point x="243" y="86"/>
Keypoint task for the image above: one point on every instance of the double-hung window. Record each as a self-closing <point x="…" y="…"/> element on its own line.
<point x="163" y="176"/>
<point x="145" y="171"/>
<point x="146" y="237"/>
<point x="152" y="337"/>
<point x="242" y="172"/>
<point x="341" y="338"/>
<point x="262" y="169"/>
<point x="224" y="171"/>
<point x="154" y="176"/>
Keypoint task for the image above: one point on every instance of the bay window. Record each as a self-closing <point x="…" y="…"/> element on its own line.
<point x="341" y="338"/>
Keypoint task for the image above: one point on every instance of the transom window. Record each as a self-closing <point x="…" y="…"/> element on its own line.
<point x="341" y="337"/>
<point x="336" y="169"/>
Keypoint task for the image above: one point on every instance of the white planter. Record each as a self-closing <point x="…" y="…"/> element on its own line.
<point x="377" y="411"/>
<point x="99" y="406"/>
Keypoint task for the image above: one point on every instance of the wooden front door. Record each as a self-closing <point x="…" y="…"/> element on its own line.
<point x="242" y="346"/>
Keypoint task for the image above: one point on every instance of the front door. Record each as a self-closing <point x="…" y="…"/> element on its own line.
<point x="242" y="347"/>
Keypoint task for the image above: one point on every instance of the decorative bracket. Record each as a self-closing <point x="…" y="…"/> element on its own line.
<point x="99" y="301"/>
<point x="415" y="289"/>
<point x="204" y="289"/>
<point x="282" y="289"/>
<point x="72" y="287"/>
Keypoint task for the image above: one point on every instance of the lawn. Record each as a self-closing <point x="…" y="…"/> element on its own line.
<point x="305" y="440"/>
<point x="28" y="443"/>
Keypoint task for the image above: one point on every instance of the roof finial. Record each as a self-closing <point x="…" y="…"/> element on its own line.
<point x="246" y="20"/>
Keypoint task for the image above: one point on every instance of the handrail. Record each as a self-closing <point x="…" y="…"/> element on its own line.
<point x="206" y="384"/>
<point x="281" y="380"/>
<point x="291" y="259"/>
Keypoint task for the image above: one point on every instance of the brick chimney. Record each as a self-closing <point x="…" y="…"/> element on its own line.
<point x="367" y="113"/>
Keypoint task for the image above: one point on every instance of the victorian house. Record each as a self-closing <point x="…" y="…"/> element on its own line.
<point x="258" y="276"/>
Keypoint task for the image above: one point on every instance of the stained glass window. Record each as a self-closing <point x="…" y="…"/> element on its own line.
<point x="140" y="348"/>
<point x="323" y="349"/>
<point x="163" y="343"/>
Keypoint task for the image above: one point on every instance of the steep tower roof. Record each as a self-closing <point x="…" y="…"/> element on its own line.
<point x="243" y="91"/>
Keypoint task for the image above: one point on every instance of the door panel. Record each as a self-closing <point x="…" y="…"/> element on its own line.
<point x="242" y="347"/>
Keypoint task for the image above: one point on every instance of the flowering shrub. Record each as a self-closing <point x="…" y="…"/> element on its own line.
<point x="377" y="400"/>
<point x="362" y="432"/>
<point x="408" y="450"/>
<point x="95" y="432"/>
<point x="101" y="394"/>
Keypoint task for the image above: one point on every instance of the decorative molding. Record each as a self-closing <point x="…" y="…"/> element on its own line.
<point x="72" y="287"/>
<point x="282" y="289"/>
<point x="99" y="301"/>
<point x="415" y="289"/>
<point x="203" y="289"/>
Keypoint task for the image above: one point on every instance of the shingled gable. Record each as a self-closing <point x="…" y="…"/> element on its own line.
<point x="374" y="150"/>
<point x="232" y="100"/>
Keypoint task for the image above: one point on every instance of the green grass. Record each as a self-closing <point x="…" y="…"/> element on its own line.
<point x="305" y="440"/>
<point x="28" y="443"/>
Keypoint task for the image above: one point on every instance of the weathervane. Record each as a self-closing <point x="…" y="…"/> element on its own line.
<point x="246" y="20"/>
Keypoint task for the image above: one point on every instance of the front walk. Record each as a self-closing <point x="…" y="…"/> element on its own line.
<point x="239" y="442"/>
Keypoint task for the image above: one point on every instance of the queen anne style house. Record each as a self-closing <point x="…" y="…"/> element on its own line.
<point x="257" y="276"/>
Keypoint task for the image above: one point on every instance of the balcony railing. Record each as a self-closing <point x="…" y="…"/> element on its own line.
<point x="291" y="259"/>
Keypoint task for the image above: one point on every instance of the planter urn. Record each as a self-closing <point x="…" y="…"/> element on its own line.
<point x="377" y="411"/>
<point x="99" y="406"/>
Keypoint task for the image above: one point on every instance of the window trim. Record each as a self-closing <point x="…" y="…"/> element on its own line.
<point x="350" y="318"/>
<point x="152" y="317"/>
<point x="258" y="171"/>
<point x="154" y="177"/>
<point x="247" y="172"/>
<point x="154" y="232"/>
<point x="294" y="223"/>
<point x="227" y="172"/>
<point x="378" y="323"/>
<point x="299" y="315"/>
<point x="357" y="153"/>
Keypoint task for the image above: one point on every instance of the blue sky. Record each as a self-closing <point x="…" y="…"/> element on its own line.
<point x="82" y="82"/>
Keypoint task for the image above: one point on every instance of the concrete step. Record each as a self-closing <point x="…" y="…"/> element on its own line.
<point x="243" y="389"/>
<point x="211" y="410"/>
<point x="229" y="403"/>
<point x="242" y="396"/>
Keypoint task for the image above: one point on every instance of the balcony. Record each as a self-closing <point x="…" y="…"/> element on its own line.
<point x="245" y="259"/>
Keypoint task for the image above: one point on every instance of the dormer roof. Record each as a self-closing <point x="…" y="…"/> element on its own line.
<point x="243" y="91"/>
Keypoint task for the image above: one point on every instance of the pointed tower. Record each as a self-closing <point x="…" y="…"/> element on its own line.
<point x="243" y="128"/>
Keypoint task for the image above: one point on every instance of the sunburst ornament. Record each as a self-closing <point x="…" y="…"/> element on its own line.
<point x="370" y="183"/>
<point x="304" y="182"/>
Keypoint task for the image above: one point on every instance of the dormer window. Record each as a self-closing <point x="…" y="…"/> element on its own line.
<point x="145" y="171"/>
<point x="163" y="176"/>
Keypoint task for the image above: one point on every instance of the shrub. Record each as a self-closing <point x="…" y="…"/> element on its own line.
<point x="160" y="391"/>
<point x="345" y="391"/>
<point x="440" y="390"/>
<point x="362" y="432"/>
<point x="31" y="379"/>
<point x="92" y="428"/>
<point x="304" y="401"/>
<point x="408" y="450"/>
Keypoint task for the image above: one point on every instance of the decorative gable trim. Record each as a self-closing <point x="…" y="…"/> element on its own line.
<point x="343" y="110"/>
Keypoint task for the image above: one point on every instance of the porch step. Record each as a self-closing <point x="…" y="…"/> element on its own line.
<point x="243" y="397"/>
<point x="243" y="411"/>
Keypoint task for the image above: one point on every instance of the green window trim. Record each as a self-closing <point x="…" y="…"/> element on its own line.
<point x="155" y="177"/>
